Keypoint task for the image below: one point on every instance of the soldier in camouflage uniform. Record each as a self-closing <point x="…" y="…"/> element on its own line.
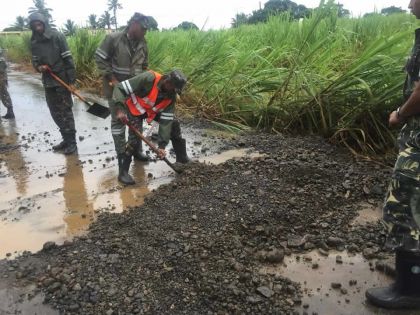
<point x="121" y="56"/>
<point x="402" y="203"/>
<point x="50" y="50"/>
<point x="149" y="96"/>
<point x="4" y="93"/>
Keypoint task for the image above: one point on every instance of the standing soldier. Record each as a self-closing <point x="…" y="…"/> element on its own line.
<point x="121" y="56"/>
<point x="402" y="205"/>
<point x="149" y="96"/>
<point x="4" y="93"/>
<point x="50" y="51"/>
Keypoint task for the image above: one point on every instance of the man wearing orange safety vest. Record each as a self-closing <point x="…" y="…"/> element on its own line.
<point x="148" y="96"/>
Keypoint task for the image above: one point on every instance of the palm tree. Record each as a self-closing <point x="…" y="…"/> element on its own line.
<point x="114" y="5"/>
<point x="41" y="7"/>
<point x="92" y="21"/>
<point x="69" y="28"/>
<point x="105" y="20"/>
<point x="21" y="23"/>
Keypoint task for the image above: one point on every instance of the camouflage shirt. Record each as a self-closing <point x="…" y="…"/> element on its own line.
<point x="119" y="56"/>
<point x="3" y="66"/>
<point x="142" y="85"/>
<point x="51" y="49"/>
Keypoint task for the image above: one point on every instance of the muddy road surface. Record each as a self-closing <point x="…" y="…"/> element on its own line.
<point x="292" y="229"/>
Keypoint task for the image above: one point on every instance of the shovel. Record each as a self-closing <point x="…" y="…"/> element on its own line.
<point x="94" y="108"/>
<point x="125" y="121"/>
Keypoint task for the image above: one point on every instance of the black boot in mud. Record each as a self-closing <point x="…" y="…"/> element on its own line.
<point x="180" y="148"/>
<point x="61" y="146"/>
<point x="124" y="162"/>
<point x="405" y="292"/>
<point x="10" y="114"/>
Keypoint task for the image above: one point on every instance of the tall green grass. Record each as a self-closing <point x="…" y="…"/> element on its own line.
<point x="326" y="75"/>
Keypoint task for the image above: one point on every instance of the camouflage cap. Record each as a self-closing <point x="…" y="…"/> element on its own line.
<point x="141" y="19"/>
<point x="178" y="79"/>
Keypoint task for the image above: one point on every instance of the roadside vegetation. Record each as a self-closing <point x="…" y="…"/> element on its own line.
<point x="334" y="76"/>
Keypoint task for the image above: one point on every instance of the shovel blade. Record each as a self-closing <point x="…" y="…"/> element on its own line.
<point x="99" y="110"/>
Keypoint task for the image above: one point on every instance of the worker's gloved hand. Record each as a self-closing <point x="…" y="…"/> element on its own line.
<point x="43" y="68"/>
<point x="161" y="153"/>
<point x="122" y="116"/>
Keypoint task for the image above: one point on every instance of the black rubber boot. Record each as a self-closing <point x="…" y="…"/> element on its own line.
<point x="59" y="147"/>
<point x="138" y="153"/>
<point x="124" y="162"/>
<point x="71" y="146"/>
<point x="180" y="148"/>
<point x="10" y="114"/>
<point x="404" y="293"/>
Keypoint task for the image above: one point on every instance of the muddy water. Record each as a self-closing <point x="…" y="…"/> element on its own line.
<point x="354" y="275"/>
<point x="46" y="196"/>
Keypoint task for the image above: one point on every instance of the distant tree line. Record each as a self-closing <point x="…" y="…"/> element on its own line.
<point x="296" y="11"/>
<point x="107" y="20"/>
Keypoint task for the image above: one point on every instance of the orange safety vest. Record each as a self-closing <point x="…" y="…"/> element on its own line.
<point x="141" y="105"/>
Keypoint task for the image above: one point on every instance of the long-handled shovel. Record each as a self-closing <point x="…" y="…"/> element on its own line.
<point x="94" y="108"/>
<point x="125" y="121"/>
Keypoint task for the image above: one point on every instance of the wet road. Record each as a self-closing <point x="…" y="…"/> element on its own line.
<point x="46" y="196"/>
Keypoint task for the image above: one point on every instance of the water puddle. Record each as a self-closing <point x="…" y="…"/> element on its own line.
<point x="47" y="196"/>
<point x="368" y="213"/>
<point x="228" y="155"/>
<point x="21" y="301"/>
<point x="350" y="275"/>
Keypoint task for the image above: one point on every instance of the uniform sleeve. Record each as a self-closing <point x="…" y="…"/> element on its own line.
<point x="165" y="125"/>
<point x="67" y="59"/>
<point x="35" y="58"/>
<point x="3" y="66"/>
<point x="103" y="57"/>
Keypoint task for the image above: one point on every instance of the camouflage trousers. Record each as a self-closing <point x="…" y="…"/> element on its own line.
<point x="60" y="104"/>
<point x="118" y="129"/>
<point x="401" y="212"/>
<point x="4" y="93"/>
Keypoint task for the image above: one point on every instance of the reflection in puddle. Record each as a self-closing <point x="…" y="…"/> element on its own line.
<point x="227" y="155"/>
<point x="46" y="196"/>
<point x="316" y="274"/>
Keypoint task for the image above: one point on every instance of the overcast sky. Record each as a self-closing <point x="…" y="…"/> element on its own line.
<point x="169" y="13"/>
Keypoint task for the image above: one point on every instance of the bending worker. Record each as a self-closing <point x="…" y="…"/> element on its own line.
<point x="149" y="96"/>
<point x="121" y="56"/>
<point x="402" y="204"/>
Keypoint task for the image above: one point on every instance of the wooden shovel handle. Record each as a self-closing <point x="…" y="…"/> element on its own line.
<point x="68" y="87"/>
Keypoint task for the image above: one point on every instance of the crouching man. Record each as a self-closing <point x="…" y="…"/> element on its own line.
<point x="148" y="96"/>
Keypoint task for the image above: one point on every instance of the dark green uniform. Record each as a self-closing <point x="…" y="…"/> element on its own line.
<point x="402" y="204"/>
<point x="51" y="49"/>
<point x="169" y="128"/>
<point x="4" y="93"/>
<point x="122" y="58"/>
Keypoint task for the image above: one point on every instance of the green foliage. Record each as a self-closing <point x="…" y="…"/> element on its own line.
<point x="83" y="46"/>
<point x="18" y="47"/>
<point x="337" y="77"/>
<point x="69" y="28"/>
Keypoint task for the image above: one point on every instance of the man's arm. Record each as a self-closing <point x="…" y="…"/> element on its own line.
<point x="410" y="108"/>
<point x="103" y="57"/>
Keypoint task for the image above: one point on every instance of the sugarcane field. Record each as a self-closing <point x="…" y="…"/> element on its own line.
<point x="236" y="157"/>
